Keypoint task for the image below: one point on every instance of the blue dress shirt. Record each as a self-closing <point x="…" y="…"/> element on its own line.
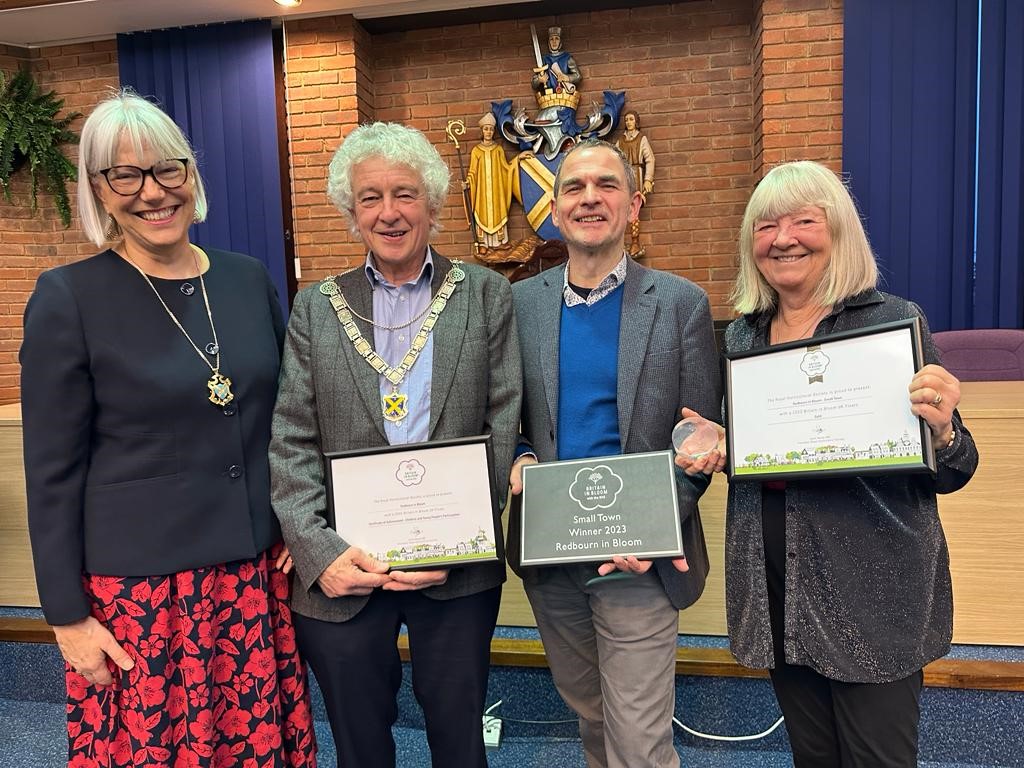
<point x="394" y="305"/>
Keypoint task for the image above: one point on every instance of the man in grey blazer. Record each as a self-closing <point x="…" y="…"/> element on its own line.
<point x="612" y="352"/>
<point x="462" y="377"/>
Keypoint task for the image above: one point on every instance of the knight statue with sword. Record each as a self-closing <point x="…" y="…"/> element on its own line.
<point x="557" y="71"/>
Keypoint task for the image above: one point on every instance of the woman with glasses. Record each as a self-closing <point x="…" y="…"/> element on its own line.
<point x="149" y="372"/>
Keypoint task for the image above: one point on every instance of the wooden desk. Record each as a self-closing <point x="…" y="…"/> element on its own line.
<point x="982" y="523"/>
<point x="17" y="581"/>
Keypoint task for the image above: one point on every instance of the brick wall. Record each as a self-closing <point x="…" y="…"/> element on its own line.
<point x="330" y="91"/>
<point x="685" y="68"/>
<point x="801" y="49"/>
<point x="724" y="88"/>
<point x="32" y="242"/>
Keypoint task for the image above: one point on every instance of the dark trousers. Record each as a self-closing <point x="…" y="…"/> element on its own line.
<point x="833" y="724"/>
<point x="357" y="665"/>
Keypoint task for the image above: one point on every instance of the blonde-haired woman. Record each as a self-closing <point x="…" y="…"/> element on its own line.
<point x="149" y="373"/>
<point x="839" y="586"/>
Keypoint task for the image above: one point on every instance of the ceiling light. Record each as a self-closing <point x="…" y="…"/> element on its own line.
<point x="288" y="3"/>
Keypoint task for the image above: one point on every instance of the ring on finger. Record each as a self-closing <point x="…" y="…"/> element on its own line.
<point x="938" y="398"/>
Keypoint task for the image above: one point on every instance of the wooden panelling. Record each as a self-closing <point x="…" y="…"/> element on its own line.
<point x="705" y="662"/>
<point x="17" y="581"/>
<point x="983" y="521"/>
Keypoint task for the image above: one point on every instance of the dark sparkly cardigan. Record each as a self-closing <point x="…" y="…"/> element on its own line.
<point x="868" y="594"/>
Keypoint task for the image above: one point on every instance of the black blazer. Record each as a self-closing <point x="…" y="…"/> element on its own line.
<point x="130" y="470"/>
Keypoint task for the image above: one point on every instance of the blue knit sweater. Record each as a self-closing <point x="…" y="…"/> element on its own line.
<point x="588" y="365"/>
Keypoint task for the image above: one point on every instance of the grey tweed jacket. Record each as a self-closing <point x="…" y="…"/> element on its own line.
<point x="329" y="400"/>
<point x="667" y="360"/>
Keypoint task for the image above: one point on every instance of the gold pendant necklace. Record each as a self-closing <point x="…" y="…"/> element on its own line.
<point x="395" y="405"/>
<point x="219" y="385"/>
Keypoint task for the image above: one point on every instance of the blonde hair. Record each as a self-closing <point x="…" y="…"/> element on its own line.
<point x="788" y="188"/>
<point x="126" y="115"/>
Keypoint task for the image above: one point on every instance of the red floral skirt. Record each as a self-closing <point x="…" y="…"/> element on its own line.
<point x="217" y="681"/>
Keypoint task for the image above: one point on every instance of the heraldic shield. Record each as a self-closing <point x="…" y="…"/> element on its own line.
<point x="533" y="186"/>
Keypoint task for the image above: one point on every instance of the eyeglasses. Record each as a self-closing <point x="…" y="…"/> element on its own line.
<point x="128" y="180"/>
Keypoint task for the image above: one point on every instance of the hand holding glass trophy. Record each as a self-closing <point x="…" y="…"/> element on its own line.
<point x="694" y="437"/>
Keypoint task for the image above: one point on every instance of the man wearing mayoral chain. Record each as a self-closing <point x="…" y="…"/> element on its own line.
<point x="612" y="351"/>
<point x="410" y="347"/>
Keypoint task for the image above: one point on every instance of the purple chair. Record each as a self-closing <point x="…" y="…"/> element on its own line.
<point x="986" y="354"/>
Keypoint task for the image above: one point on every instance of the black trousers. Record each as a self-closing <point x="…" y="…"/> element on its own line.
<point x="832" y="724"/>
<point x="357" y="665"/>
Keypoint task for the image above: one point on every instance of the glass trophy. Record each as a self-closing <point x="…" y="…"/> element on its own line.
<point x="694" y="437"/>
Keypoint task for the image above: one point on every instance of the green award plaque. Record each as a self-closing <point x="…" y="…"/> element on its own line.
<point x="588" y="510"/>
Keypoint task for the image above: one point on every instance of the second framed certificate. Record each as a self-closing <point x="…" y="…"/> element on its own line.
<point x="424" y="505"/>
<point x="833" y="405"/>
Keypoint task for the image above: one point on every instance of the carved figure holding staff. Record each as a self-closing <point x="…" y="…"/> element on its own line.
<point x="489" y="182"/>
<point x="454" y="130"/>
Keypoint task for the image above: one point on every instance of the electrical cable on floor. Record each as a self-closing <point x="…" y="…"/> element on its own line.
<point x="498" y="703"/>
<point x="675" y="720"/>
<point x="489" y="717"/>
<point x="714" y="737"/>
<point x="487" y="712"/>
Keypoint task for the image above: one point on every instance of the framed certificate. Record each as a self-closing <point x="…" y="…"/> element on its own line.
<point x="587" y="510"/>
<point x="422" y="505"/>
<point x="833" y="405"/>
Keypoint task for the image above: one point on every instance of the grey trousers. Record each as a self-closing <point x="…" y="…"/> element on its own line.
<point x="611" y="647"/>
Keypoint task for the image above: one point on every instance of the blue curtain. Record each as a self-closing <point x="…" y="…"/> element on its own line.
<point x="909" y="75"/>
<point x="999" y="286"/>
<point x="217" y="83"/>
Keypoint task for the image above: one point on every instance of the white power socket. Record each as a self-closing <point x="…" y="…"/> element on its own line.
<point x="492" y="732"/>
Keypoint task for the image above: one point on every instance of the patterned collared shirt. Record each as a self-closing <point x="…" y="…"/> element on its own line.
<point x="394" y="304"/>
<point x="612" y="280"/>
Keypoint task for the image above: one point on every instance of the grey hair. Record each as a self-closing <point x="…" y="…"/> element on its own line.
<point x="396" y="144"/>
<point x="785" y="189"/>
<point x="126" y="115"/>
<point x="627" y="169"/>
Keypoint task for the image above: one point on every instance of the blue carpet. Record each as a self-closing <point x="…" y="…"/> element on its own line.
<point x="959" y="728"/>
<point x="34" y="738"/>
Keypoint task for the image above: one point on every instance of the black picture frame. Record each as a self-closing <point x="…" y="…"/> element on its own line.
<point x="831" y="461"/>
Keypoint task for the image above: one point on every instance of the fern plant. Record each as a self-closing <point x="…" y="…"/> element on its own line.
<point x="31" y="134"/>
